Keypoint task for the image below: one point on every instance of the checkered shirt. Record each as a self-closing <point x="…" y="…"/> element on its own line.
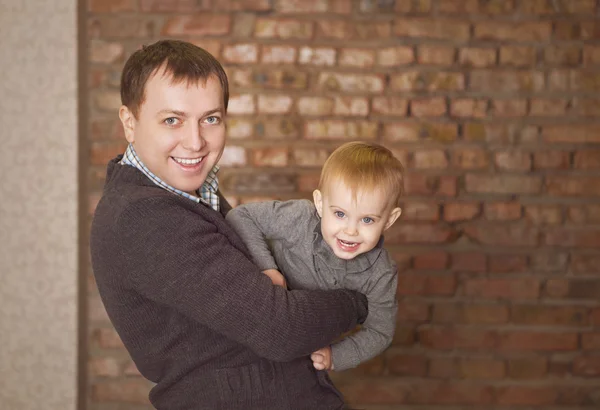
<point x="207" y="192"/>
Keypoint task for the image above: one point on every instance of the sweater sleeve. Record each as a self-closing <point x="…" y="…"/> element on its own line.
<point x="185" y="263"/>
<point x="258" y="222"/>
<point x="377" y="332"/>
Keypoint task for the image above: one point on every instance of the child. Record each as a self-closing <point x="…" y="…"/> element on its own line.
<point x="337" y="243"/>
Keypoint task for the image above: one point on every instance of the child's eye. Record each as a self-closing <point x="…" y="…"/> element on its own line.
<point x="212" y="119"/>
<point x="368" y="220"/>
<point x="339" y="214"/>
<point x="171" y="121"/>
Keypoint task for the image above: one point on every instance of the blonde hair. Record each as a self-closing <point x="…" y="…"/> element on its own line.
<point x="364" y="167"/>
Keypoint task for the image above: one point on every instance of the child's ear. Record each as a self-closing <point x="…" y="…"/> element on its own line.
<point x="318" y="201"/>
<point x="395" y="214"/>
<point x="128" y="121"/>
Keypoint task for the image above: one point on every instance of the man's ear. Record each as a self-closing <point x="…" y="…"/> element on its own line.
<point x="128" y="121"/>
<point x="318" y="201"/>
<point x="395" y="214"/>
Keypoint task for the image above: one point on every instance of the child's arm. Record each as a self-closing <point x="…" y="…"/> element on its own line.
<point x="377" y="332"/>
<point x="271" y="220"/>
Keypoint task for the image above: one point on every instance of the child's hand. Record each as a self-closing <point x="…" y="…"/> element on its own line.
<point x="322" y="359"/>
<point x="276" y="277"/>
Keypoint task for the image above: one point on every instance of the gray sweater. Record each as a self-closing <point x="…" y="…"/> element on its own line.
<point x="287" y="236"/>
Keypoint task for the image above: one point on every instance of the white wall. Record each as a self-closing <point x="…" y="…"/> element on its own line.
<point x="38" y="204"/>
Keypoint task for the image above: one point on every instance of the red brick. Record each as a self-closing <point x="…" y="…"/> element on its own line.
<point x="355" y="57"/>
<point x="457" y="337"/>
<point x="543" y="214"/>
<point x="471" y="313"/>
<point x="274" y="104"/>
<point x="502" y="288"/>
<point x="573" y="238"/>
<point x="585" y="213"/>
<point x="584" y="264"/>
<point x="431" y="28"/>
<point x="500" y="133"/>
<point x="426" y="284"/>
<point x="509" y="108"/>
<point x="477" y="57"/>
<point x="366" y="83"/>
<point x="591" y="55"/>
<point x="197" y="25"/>
<point x="353" y="30"/>
<point x="112" y="6"/>
<point x="587" y="366"/>
<point x="527" y="368"/>
<point x="433" y="159"/>
<point x="107" y="339"/>
<point x="134" y="391"/>
<point x="102" y="52"/>
<point x="281" y="79"/>
<point x="241" y="104"/>
<point x="503" y="184"/>
<point x="586" y="107"/>
<point x="107" y="100"/>
<point x="161" y="6"/>
<point x="395" y="56"/>
<point x="351" y="106"/>
<point x="270" y="157"/>
<point x="102" y="152"/>
<point x="404" y="335"/>
<point x="542" y="7"/>
<point x="537" y="315"/>
<point x="420" y="211"/>
<point x="233" y="156"/>
<point x="131" y="369"/>
<point x="591" y="341"/>
<point x="470" y="108"/>
<point x="508" y="263"/>
<point x="429" y="81"/>
<point x="551" y="160"/>
<point x="278" y="55"/>
<point x="506" y="81"/>
<point x="308" y="182"/>
<point x="460" y="211"/>
<point x="513" y="160"/>
<point x="412" y="131"/>
<point x="548" y="107"/>
<point x="584" y="80"/>
<point x="562" y="56"/>
<point x="469" y="262"/>
<point x="320" y="106"/>
<point x="435" y="55"/>
<point x="428" y="107"/>
<point x="420" y="184"/>
<point x="378" y="391"/>
<point x="523" y="32"/>
<point x="418" y="233"/>
<point x="393" y="106"/>
<point x="588" y="159"/>
<point x="481" y="369"/>
<point x="526" y="395"/>
<point x="104" y="367"/>
<point x="431" y="260"/>
<point x="419" y="6"/>
<point x="502" y="234"/>
<point x="538" y="341"/>
<point x="310" y="157"/>
<point x="301" y="6"/>
<point x="238" y="128"/>
<point x="340" y="130"/>
<point x="451" y="393"/>
<point x="502" y="211"/>
<point x="549" y="262"/>
<point x="240" y="53"/>
<point x="578" y="289"/>
<point x="402" y="364"/>
<point x="572" y="186"/>
<point x="412" y="311"/>
<point x="567" y="30"/>
<point x="239" y="5"/>
<point x="283" y="29"/>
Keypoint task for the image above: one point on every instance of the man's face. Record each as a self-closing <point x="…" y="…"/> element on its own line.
<point x="179" y="133"/>
<point x="352" y="227"/>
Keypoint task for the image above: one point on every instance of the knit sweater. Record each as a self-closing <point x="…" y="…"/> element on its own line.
<point x="197" y="316"/>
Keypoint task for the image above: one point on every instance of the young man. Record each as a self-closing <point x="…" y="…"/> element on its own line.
<point x="336" y="243"/>
<point x="196" y="315"/>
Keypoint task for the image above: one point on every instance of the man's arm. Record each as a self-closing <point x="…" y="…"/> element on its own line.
<point x="185" y="263"/>
<point x="271" y="220"/>
<point x="377" y="332"/>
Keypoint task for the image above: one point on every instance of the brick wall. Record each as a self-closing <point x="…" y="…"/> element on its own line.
<point x="491" y="106"/>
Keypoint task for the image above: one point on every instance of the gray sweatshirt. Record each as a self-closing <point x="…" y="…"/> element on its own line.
<point x="287" y="236"/>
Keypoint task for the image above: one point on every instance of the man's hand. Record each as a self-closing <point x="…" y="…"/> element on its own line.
<point x="276" y="277"/>
<point x="322" y="359"/>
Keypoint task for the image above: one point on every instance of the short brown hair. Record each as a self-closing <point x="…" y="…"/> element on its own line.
<point x="364" y="167"/>
<point x="182" y="60"/>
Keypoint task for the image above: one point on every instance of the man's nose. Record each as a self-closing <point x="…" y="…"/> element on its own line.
<point x="193" y="140"/>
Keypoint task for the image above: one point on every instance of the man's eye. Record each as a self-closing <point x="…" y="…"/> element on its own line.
<point x="213" y="119"/>
<point x="339" y="214"/>
<point x="171" y="121"/>
<point x="368" y="220"/>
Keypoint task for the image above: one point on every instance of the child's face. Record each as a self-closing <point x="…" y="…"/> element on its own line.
<point x="351" y="227"/>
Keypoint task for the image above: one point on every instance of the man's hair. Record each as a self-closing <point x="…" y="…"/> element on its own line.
<point x="364" y="167"/>
<point x="181" y="60"/>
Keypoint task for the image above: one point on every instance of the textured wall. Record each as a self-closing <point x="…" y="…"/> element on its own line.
<point x="493" y="107"/>
<point x="38" y="205"/>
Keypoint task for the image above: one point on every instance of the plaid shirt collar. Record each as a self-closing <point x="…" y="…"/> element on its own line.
<point x="207" y="192"/>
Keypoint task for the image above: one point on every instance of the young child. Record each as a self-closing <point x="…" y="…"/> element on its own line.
<point x="335" y="243"/>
